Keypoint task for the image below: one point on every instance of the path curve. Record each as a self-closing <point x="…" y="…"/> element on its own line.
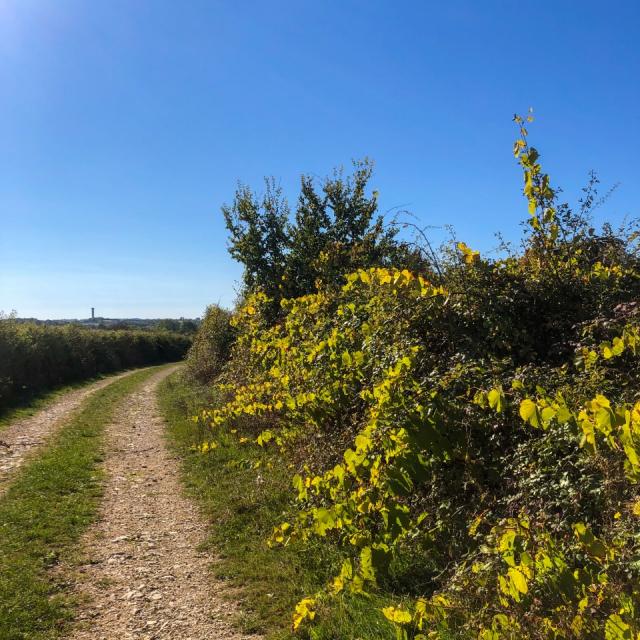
<point x="142" y="575"/>
<point x="23" y="437"/>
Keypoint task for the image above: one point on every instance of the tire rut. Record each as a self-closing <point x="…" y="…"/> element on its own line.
<point x="22" y="438"/>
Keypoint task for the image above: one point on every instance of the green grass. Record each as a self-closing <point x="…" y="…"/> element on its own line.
<point x="242" y="505"/>
<point x="45" y="510"/>
<point x="29" y="404"/>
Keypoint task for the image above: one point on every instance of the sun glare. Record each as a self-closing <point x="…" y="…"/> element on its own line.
<point x="19" y="21"/>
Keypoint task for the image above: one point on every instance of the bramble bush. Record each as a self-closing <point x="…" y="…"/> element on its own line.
<point x="35" y="357"/>
<point x="467" y="434"/>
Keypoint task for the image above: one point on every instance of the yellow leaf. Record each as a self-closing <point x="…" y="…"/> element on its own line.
<point x="470" y="256"/>
<point x="528" y="412"/>
<point x="616" y="629"/>
<point x="473" y="528"/>
<point x="496" y="400"/>
<point x="518" y="580"/>
<point x="304" y="610"/>
<point x="399" y="616"/>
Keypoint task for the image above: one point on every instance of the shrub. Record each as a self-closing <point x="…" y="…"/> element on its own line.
<point x="470" y="445"/>
<point x="211" y="345"/>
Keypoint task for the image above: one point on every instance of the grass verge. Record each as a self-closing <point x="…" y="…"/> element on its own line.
<point x="244" y="492"/>
<point x="44" y="511"/>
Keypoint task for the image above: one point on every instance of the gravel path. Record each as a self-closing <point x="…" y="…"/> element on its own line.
<point x="142" y="576"/>
<point x="24" y="437"/>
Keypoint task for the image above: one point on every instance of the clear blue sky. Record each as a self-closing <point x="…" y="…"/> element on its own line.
<point x="124" y="125"/>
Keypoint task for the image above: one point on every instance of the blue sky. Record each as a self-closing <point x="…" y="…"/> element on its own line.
<point x="125" y="125"/>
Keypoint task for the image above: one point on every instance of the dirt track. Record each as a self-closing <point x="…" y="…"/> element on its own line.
<point x="142" y="576"/>
<point x="23" y="437"/>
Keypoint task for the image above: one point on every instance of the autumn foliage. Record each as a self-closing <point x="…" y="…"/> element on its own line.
<point x="466" y="433"/>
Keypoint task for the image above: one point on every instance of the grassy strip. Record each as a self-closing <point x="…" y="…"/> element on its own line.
<point x="43" y="513"/>
<point x="29" y="404"/>
<point x="245" y="491"/>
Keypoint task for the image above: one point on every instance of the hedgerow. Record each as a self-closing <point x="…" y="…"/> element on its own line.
<point x="467" y="436"/>
<point x="35" y="357"/>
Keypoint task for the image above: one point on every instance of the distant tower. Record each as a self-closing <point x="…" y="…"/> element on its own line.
<point x="93" y="313"/>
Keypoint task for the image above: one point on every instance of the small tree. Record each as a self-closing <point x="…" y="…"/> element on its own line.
<point x="258" y="237"/>
<point x="308" y="236"/>
<point x="336" y="229"/>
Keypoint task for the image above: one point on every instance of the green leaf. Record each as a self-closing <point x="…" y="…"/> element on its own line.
<point x="616" y="629"/>
<point x="593" y="545"/>
<point x="324" y="521"/>
<point x="367" y="569"/>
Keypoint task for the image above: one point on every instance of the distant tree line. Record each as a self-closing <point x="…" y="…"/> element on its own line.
<point x="34" y="357"/>
<point x="182" y="325"/>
